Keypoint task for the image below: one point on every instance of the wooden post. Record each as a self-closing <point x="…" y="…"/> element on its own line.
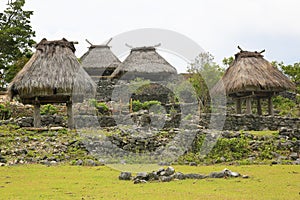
<point x="130" y="110"/>
<point x="259" y="111"/>
<point x="37" y="115"/>
<point x="248" y="106"/>
<point x="70" y="114"/>
<point x="238" y="106"/>
<point x="270" y="106"/>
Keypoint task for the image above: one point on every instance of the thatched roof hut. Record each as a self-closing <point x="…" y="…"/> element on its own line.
<point x="145" y="62"/>
<point x="99" y="61"/>
<point x="52" y="75"/>
<point x="251" y="76"/>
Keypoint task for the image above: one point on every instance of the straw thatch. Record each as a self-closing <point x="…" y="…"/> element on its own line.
<point x="144" y="60"/>
<point x="52" y="75"/>
<point x="99" y="61"/>
<point x="249" y="73"/>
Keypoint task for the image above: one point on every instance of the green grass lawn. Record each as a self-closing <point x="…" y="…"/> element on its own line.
<point x="73" y="182"/>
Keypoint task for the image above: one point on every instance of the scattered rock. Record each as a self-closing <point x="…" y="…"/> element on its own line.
<point x="161" y="175"/>
<point x="179" y="176"/>
<point x="125" y="176"/>
<point x="89" y="162"/>
<point x="169" y="171"/>
<point x="297" y="162"/>
<point x="142" y="176"/>
<point x="79" y="162"/>
<point x="195" y="176"/>
<point x="294" y="156"/>
<point x="138" y="181"/>
<point x="217" y="175"/>
<point x="166" y="178"/>
<point x="193" y="164"/>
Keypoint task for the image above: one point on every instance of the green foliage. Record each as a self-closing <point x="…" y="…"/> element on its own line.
<point x="285" y="106"/>
<point x="228" y="61"/>
<point x="16" y="39"/>
<point x="5" y="112"/>
<point x="205" y="73"/>
<point x="137" y="85"/>
<point x="137" y="105"/>
<point x="292" y="71"/>
<point x="48" y="109"/>
<point x="230" y="149"/>
<point x="101" y="107"/>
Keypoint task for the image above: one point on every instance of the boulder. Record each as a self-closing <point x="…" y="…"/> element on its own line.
<point x="125" y="176"/>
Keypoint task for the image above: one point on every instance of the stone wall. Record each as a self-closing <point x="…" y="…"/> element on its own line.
<point x="143" y="119"/>
<point x="253" y="122"/>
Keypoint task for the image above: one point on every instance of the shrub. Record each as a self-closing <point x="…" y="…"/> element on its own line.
<point x="137" y="105"/>
<point x="5" y="112"/>
<point x="48" y="109"/>
<point x="285" y="106"/>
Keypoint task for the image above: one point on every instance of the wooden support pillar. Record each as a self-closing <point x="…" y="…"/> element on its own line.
<point x="238" y="106"/>
<point x="70" y="114"/>
<point x="259" y="111"/>
<point x="248" y="106"/>
<point x="37" y="115"/>
<point x="270" y="106"/>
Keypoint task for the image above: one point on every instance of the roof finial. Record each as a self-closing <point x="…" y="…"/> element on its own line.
<point x="88" y="42"/>
<point x="262" y="51"/>
<point x="127" y="45"/>
<point x="157" y="45"/>
<point x="108" y="41"/>
<point x="240" y="48"/>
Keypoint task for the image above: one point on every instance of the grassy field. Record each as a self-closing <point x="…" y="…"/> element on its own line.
<point x="74" y="182"/>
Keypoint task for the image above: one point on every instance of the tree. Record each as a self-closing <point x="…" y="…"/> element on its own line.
<point x="292" y="71"/>
<point x="228" y="61"/>
<point x="205" y="73"/>
<point x="16" y="40"/>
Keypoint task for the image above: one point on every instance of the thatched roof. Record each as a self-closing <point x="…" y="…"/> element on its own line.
<point x="145" y="60"/>
<point x="99" y="58"/>
<point x="250" y="72"/>
<point x="52" y="75"/>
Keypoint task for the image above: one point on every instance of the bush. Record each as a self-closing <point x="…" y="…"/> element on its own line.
<point x="101" y="107"/>
<point x="285" y="106"/>
<point x="48" y="109"/>
<point x="5" y="112"/>
<point x="137" y="105"/>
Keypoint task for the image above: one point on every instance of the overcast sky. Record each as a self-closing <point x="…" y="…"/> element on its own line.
<point x="217" y="26"/>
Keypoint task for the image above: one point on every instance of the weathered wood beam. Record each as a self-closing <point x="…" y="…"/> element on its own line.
<point x="270" y="106"/>
<point x="37" y="115"/>
<point x="238" y="106"/>
<point x="70" y="115"/>
<point x="259" y="111"/>
<point x="248" y="106"/>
